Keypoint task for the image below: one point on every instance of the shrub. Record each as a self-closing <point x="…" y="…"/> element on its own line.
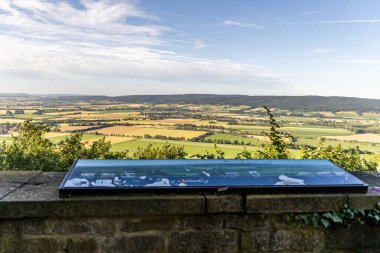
<point x="347" y="159"/>
<point x="277" y="147"/>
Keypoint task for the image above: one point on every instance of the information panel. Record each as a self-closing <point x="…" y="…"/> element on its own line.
<point x="91" y="176"/>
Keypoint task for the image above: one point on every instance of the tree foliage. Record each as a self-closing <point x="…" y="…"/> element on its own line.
<point x="219" y="154"/>
<point x="30" y="150"/>
<point x="347" y="159"/>
<point x="168" y="151"/>
<point x="277" y="147"/>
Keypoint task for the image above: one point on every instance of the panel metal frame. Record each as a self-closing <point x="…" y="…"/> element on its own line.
<point x="259" y="189"/>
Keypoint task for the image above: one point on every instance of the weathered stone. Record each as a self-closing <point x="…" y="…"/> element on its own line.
<point x="247" y="222"/>
<point x="149" y="223"/>
<point x="34" y="227"/>
<point x="202" y="222"/>
<point x="12" y="207"/>
<point x="229" y="203"/>
<point x="40" y="245"/>
<point x="357" y="237"/>
<point x="17" y="177"/>
<point x="10" y="228"/>
<point x="146" y="242"/>
<point x="10" y="245"/>
<point x="82" y="245"/>
<point x="48" y="178"/>
<point x="11" y="180"/>
<point x="34" y="219"/>
<point x="283" y="240"/>
<point x="294" y="203"/>
<point x="363" y="201"/>
<point x="67" y="226"/>
<point x="208" y="242"/>
<point x="102" y="226"/>
<point x="5" y="189"/>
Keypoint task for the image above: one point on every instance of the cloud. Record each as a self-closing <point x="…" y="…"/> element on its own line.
<point x="97" y="20"/>
<point x="357" y="60"/>
<point x="310" y="53"/>
<point x="321" y="50"/>
<point x="89" y="61"/>
<point x="55" y="47"/>
<point x="198" y="44"/>
<point x="352" y="21"/>
<point x="307" y="13"/>
<point x="243" y="25"/>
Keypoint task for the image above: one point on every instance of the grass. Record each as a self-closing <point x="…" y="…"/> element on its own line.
<point x="85" y="137"/>
<point x="190" y="147"/>
<point x="171" y="122"/>
<point x="141" y="131"/>
<point x="316" y="131"/>
<point x="67" y="127"/>
<point x="232" y="138"/>
<point x="102" y="115"/>
<point x="347" y="114"/>
<point x="12" y="120"/>
<point x="372" y="147"/>
<point x="372" y="138"/>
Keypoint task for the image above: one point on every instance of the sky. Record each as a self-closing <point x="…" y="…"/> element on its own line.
<point x="251" y="47"/>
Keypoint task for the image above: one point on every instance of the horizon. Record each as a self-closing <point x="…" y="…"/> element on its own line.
<point x="146" y="47"/>
<point x="168" y="94"/>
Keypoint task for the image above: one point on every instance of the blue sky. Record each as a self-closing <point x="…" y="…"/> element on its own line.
<point x="255" y="47"/>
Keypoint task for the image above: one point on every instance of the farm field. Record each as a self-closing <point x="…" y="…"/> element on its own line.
<point x="171" y="122"/>
<point x="112" y="139"/>
<point x="190" y="147"/>
<point x="198" y="127"/>
<point x="68" y="128"/>
<point x="316" y="131"/>
<point x="374" y="138"/>
<point x="232" y="138"/>
<point x="135" y="131"/>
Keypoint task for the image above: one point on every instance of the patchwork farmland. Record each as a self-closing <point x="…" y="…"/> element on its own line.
<point x="198" y="127"/>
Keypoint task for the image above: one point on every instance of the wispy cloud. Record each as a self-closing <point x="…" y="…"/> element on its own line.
<point x="321" y="50"/>
<point x="310" y="53"/>
<point x="49" y="46"/>
<point x="352" y="21"/>
<point x="242" y="24"/>
<point x="357" y="60"/>
<point x="97" y="21"/>
<point x="307" y="13"/>
<point x="198" y="44"/>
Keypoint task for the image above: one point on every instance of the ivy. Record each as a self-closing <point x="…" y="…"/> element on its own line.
<point x="348" y="217"/>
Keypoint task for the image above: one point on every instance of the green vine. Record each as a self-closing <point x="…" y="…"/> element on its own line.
<point x="348" y="217"/>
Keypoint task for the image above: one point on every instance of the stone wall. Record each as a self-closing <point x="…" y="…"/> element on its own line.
<point x="34" y="219"/>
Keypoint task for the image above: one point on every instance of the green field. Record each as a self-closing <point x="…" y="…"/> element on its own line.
<point x="220" y="122"/>
<point x="85" y="137"/>
<point x="316" y="131"/>
<point x="232" y="138"/>
<point x="372" y="147"/>
<point x="190" y="147"/>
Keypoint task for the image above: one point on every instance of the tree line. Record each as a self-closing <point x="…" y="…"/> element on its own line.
<point x="30" y="150"/>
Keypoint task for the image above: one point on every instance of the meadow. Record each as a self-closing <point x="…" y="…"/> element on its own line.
<point x="197" y="127"/>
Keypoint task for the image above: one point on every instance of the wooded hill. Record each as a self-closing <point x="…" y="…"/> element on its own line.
<point x="303" y="103"/>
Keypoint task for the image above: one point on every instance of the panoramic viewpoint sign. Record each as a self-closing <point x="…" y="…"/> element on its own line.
<point x="261" y="176"/>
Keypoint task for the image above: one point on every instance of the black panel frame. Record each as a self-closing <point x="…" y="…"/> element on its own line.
<point x="65" y="192"/>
